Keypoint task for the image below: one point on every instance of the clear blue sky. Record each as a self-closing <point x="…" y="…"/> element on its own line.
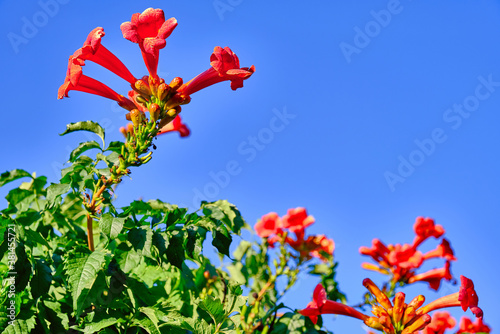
<point x="389" y="110"/>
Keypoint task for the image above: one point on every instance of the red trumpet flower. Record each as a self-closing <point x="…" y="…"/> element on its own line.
<point x="150" y="31"/>
<point x="225" y="66"/>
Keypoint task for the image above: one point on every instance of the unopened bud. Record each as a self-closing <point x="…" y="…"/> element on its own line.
<point x="206" y="274"/>
<point x="154" y="112"/>
<point x="141" y="99"/>
<point x="176" y="83"/>
<point x="142" y="87"/>
<point x="187" y="99"/>
<point x="174" y="101"/>
<point x="153" y="84"/>
<point x="163" y="91"/>
<point x="172" y="112"/>
<point x="123" y="131"/>
<point x="373" y="322"/>
<point x="137" y="116"/>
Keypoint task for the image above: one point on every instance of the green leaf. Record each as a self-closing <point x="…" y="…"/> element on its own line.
<point x="214" y="308"/>
<point x="52" y="317"/>
<point x="22" y="267"/>
<point x="222" y="240"/>
<point x="13" y="175"/>
<point x="40" y="283"/>
<point x="85" y="126"/>
<point x="141" y="239"/>
<point x="111" y="226"/>
<point x="55" y="190"/>
<point x="147" y="324"/>
<point x="99" y="320"/>
<point x="85" y="146"/>
<point x="175" y="250"/>
<point x="115" y="146"/>
<point x="20" y="326"/>
<point x="35" y="238"/>
<point x="82" y="270"/>
<point x="226" y="212"/>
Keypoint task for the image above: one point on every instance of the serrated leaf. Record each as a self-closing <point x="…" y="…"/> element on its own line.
<point x="141" y="239"/>
<point x="20" y="326"/>
<point x="175" y="250"/>
<point x="222" y="240"/>
<point x="111" y="226"/>
<point x="115" y="146"/>
<point x="35" y="237"/>
<point x="214" y="308"/>
<point x="40" y="283"/>
<point x="82" y="270"/>
<point x="85" y="126"/>
<point x="56" y="189"/>
<point x="99" y="321"/>
<point x="226" y="212"/>
<point x="150" y="313"/>
<point x="22" y="267"/>
<point x="51" y="314"/>
<point x="12" y="175"/>
<point x="85" y="146"/>
<point x="145" y="323"/>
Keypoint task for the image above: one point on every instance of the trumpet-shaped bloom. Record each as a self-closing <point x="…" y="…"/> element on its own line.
<point x="150" y="31"/>
<point x="425" y="228"/>
<point x="465" y="298"/>
<point x="434" y="276"/>
<point x="402" y="261"/>
<point x="75" y="80"/>
<point x="268" y="225"/>
<point x="94" y="51"/>
<point x="441" y="321"/>
<point x="442" y="251"/>
<point x="297" y="219"/>
<point x="225" y="66"/>
<point x="467" y="326"/>
<point x="321" y="305"/>
<point x="397" y="317"/>
<point x="152" y="94"/>
<point x="176" y="125"/>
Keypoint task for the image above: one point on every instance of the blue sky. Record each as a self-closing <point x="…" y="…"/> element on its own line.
<point x="368" y="114"/>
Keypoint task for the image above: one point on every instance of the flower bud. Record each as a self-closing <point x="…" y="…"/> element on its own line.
<point x="163" y="91"/>
<point x="141" y="99"/>
<point x="176" y="83"/>
<point x="174" y="111"/>
<point x="123" y="131"/>
<point x="176" y="100"/>
<point x="206" y="274"/>
<point x="142" y="87"/>
<point x="154" y="112"/>
<point x="137" y="116"/>
<point x="153" y="84"/>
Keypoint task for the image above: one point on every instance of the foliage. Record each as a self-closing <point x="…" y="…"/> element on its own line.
<point x="148" y="272"/>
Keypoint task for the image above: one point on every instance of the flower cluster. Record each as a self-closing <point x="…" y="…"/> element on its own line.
<point x="396" y="317"/>
<point x="150" y="93"/>
<point x="401" y="261"/>
<point x="277" y="229"/>
<point x="441" y="321"/>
